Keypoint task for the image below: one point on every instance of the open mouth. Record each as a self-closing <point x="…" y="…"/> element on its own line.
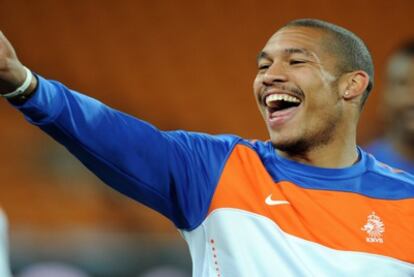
<point x="279" y="102"/>
<point x="281" y="108"/>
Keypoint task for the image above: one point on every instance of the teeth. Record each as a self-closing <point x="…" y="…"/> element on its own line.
<point x="278" y="97"/>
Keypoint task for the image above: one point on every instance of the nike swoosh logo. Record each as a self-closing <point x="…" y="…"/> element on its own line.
<point x="269" y="201"/>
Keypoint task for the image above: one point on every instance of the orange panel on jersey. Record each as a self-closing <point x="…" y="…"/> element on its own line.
<point x="338" y="220"/>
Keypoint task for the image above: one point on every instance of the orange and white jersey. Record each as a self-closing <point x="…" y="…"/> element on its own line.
<point x="310" y="221"/>
<point x="243" y="210"/>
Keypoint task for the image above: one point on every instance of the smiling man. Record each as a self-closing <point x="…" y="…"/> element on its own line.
<point x="308" y="202"/>
<point x="310" y="89"/>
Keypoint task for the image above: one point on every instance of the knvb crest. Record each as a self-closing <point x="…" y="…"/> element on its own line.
<point x="374" y="228"/>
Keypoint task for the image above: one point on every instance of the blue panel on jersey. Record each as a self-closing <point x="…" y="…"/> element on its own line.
<point x="174" y="173"/>
<point x="366" y="177"/>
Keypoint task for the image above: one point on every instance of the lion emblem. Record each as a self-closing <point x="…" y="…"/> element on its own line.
<point x="374" y="228"/>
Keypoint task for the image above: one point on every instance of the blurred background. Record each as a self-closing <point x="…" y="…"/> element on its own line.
<point x="177" y="64"/>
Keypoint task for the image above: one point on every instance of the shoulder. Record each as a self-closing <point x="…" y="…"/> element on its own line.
<point x="227" y="141"/>
<point x="385" y="152"/>
<point x="389" y="182"/>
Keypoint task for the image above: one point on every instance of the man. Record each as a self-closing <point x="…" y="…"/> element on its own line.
<point x="308" y="202"/>
<point x="396" y="148"/>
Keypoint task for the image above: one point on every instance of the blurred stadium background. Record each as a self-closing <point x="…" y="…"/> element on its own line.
<point x="177" y="64"/>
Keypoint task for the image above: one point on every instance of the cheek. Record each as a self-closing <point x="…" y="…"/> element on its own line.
<point x="318" y="102"/>
<point x="256" y="87"/>
<point x="321" y="109"/>
<point x="312" y="84"/>
<point x="256" y="83"/>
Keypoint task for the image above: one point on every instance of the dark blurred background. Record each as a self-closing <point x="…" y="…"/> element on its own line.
<point x="177" y="64"/>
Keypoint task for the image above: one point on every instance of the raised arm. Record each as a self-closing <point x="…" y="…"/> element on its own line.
<point x="174" y="173"/>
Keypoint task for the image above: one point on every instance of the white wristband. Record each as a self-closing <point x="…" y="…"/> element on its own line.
<point x="20" y="90"/>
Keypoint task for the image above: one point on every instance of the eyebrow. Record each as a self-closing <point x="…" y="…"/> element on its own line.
<point x="289" y="51"/>
<point x="262" y="55"/>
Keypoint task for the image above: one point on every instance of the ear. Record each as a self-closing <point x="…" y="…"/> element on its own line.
<point x="354" y="84"/>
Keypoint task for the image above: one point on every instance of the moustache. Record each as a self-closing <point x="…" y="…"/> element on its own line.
<point x="292" y="90"/>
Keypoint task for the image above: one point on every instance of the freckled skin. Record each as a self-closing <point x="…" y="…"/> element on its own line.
<point x="320" y="125"/>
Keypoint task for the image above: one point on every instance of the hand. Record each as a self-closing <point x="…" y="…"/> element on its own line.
<point x="12" y="72"/>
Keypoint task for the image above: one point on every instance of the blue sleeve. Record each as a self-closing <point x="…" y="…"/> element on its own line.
<point x="172" y="172"/>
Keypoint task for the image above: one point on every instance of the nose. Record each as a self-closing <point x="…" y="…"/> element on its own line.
<point x="275" y="74"/>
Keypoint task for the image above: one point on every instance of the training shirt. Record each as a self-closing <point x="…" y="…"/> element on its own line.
<point x="384" y="152"/>
<point x="243" y="210"/>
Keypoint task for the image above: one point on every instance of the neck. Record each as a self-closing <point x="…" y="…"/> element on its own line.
<point x="338" y="154"/>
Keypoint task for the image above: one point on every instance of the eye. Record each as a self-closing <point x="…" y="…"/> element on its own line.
<point x="293" y="62"/>
<point x="263" y="66"/>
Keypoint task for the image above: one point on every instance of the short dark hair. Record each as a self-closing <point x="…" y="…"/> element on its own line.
<point x="351" y="51"/>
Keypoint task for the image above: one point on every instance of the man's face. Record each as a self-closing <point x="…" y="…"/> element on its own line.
<point x="399" y="96"/>
<point x="296" y="90"/>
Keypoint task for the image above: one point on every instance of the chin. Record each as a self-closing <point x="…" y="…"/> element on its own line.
<point x="303" y="145"/>
<point x="292" y="147"/>
<point x="299" y="148"/>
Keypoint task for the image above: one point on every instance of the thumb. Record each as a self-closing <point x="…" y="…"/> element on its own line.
<point x="6" y="51"/>
<point x="12" y="72"/>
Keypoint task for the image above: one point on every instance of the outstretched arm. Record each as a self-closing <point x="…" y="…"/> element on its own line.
<point x="174" y="173"/>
